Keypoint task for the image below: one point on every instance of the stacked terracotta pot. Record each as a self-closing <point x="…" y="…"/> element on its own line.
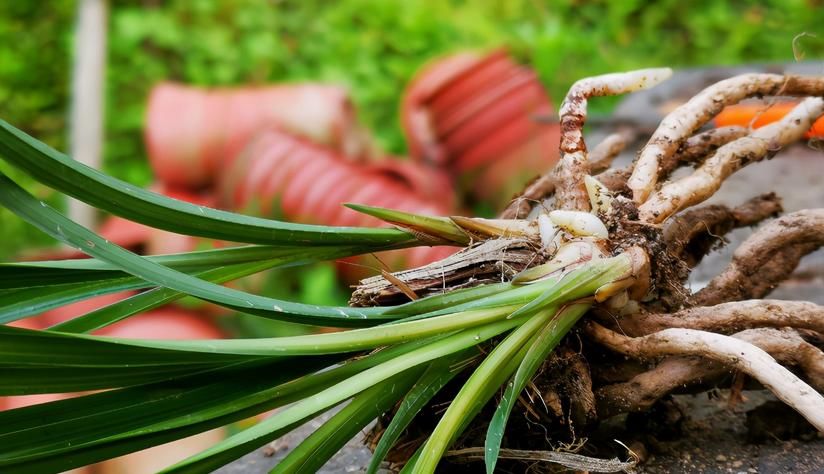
<point x="283" y="176"/>
<point x="484" y="118"/>
<point x="293" y="152"/>
<point x="193" y="133"/>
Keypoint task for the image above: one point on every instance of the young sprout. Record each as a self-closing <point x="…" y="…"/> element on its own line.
<point x="581" y="224"/>
<point x="599" y="196"/>
<point x="570" y="255"/>
<point x="547" y="231"/>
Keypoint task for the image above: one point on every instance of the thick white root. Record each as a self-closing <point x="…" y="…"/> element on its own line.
<point x="688" y="118"/>
<point x="730" y="351"/>
<point x="574" y="108"/>
<point x="574" y="163"/>
<point x="582" y="224"/>
<point x="599" y="196"/>
<point x="706" y="180"/>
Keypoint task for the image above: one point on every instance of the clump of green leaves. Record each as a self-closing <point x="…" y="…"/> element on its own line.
<point x="160" y="390"/>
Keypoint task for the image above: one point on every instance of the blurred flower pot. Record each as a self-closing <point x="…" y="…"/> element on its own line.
<point x="168" y="322"/>
<point x="192" y="133"/>
<point x="283" y="176"/>
<point x="475" y="115"/>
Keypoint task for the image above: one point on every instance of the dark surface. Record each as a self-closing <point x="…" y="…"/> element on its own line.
<point x="715" y="441"/>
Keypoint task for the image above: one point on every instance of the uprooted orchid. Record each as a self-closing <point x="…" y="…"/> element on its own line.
<point x="601" y="247"/>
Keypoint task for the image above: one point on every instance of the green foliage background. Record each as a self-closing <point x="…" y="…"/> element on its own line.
<point x="373" y="46"/>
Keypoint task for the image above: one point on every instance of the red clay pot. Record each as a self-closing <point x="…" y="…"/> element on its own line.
<point x="488" y="71"/>
<point x="475" y="117"/>
<point x="415" y="115"/>
<point x="164" y="323"/>
<point x="283" y="176"/>
<point x="192" y="133"/>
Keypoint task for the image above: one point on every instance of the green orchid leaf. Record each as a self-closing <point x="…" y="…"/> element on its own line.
<point x="436" y="376"/>
<point x="241" y="443"/>
<point x="31" y="380"/>
<point x="153" y="298"/>
<point x="59" y="227"/>
<point x="25" y="302"/>
<point x="20" y="346"/>
<point x="543" y="344"/>
<point x="54" y="272"/>
<point x="55" y="169"/>
<point x="100" y="426"/>
<point x="437" y="230"/>
<point x="26" y="347"/>
<point x="313" y="452"/>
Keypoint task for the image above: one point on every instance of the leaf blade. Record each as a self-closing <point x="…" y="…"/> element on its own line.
<point x="436" y="376"/>
<point x="71" y="177"/>
<point x="63" y="229"/>
<point x="545" y="341"/>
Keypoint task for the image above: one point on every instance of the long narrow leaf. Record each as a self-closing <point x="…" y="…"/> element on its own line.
<point x="25" y="347"/>
<point x="22" y="303"/>
<point x="253" y="437"/>
<point x="437" y="375"/>
<point x="160" y="296"/>
<point x="85" y="350"/>
<point x="441" y="229"/>
<point x="69" y="176"/>
<point x="153" y="298"/>
<point x="35" y="380"/>
<point x="313" y="452"/>
<point x="75" y="432"/>
<point x="54" y="272"/>
<point x="32" y="301"/>
<point x="59" y="227"/>
<point x="547" y="339"/>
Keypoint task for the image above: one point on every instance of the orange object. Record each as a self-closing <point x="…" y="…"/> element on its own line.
<point x="757" y="115"/>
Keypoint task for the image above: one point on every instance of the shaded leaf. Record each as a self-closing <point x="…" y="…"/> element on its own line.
<point x="545" y="341"/>
<point x="71" y="177"/>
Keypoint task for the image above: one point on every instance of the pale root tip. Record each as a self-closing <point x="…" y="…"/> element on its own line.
<point x="546" y="229"/>
<point x="639" y="193"/>
<point x="599" y="197"/>
<point x="649" y="78"/>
